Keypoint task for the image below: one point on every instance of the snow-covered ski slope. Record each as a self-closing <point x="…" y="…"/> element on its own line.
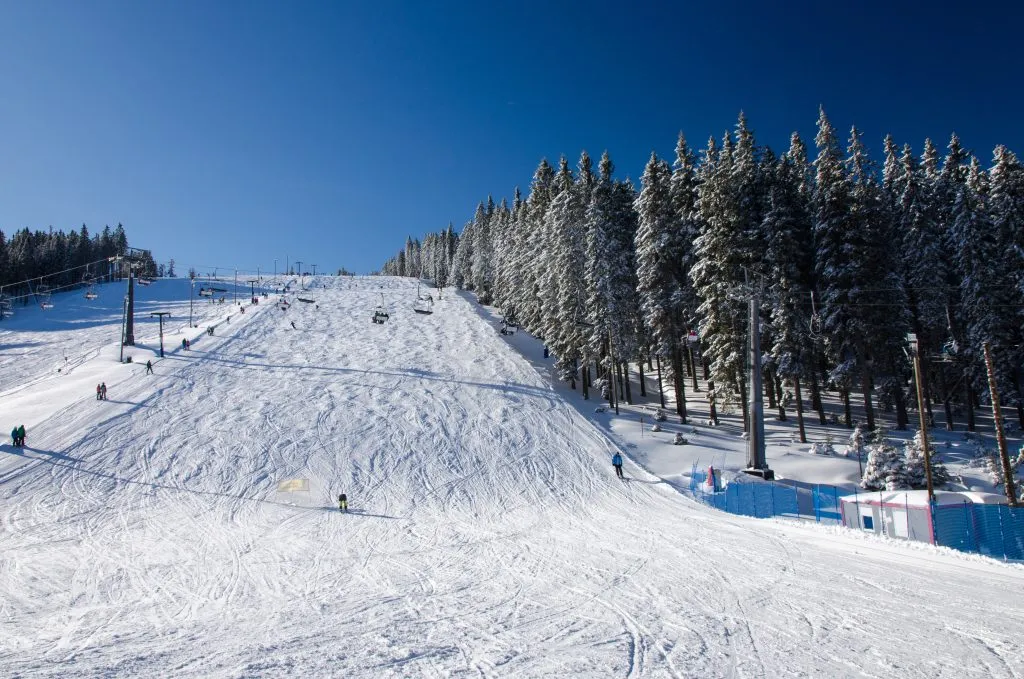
<point x="488" y="536"/>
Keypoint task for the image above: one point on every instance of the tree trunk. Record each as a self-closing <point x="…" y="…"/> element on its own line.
<point x="618" y="376"/>
<point x="780" y="397"/>
<point x="799" y="409"/>
<point x="704" y="365"/>
<point x="650" y="363"/>
<point x="629" y="391"/>
<point x="902" y="420"/>
<point x="661" y="385"/>
<point x="816" y="396"/>
<point x="847" y="414"/>
<point x="1020" y="402"/>
<point x="768" y="379"/>
<point x="586" y="381"/>
<point x="865" y="385"/>
<point x="971" y="400"/>
<point x="680" y="383"/>
<point x="711" y="403"/>
<point x="947" y="397"/>
<point x="640" y="369"/>
<point x="692" y="368"/>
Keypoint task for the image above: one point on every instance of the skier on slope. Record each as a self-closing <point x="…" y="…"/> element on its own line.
<point x="99" y="392"/>
<point x="343" y="502"/>
<point x="21" y="435"/>
<point x="103" y="391"/>
<point x="14" y="437"/>
<point x="149" y="367"/>
<point x="617" y="463"/>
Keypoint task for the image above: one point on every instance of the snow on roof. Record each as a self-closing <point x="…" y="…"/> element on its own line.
<point x="919" y="498"/>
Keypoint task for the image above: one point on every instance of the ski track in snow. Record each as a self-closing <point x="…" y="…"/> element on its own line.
<point x="487" y="535"/>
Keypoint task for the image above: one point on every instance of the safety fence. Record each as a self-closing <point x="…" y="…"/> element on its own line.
<point x="992" y="530"/>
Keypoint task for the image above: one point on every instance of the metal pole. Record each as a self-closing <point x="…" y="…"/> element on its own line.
<point x="191" y="291"/>
<point x="997" y="415"/>
<point x="124" y="314"/>
<point x="755" y="447"/>
<point x="234" y="296"/>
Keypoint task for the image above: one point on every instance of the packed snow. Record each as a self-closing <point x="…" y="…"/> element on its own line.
<point x="160" y="532"/>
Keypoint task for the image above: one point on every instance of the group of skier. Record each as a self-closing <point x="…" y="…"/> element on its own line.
<point x="101" y="391"/>
<point x="18" y="436"/>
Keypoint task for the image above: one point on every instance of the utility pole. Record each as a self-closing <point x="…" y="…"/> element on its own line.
<point x="160" y="315"/>
<point x="252" y="289"/>
<point x="287" y="268"/>
<point x="191" y="294"/>
<point x="314" y="269"/>
<point x="916" y="355"/>
<point x="275" y="267"/>
<point x="234" y="295"/>
<point x="756" y="461"/>
<point x="997" y="415"/>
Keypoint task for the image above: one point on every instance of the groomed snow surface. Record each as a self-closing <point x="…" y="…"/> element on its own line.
<point x="487" y="535"/>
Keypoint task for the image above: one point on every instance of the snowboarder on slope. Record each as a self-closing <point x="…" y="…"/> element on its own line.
<point x="617" y="463"/>
<point x="343" y="502"/>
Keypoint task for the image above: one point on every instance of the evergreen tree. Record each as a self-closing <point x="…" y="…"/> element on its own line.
<point x="884" y="469"/>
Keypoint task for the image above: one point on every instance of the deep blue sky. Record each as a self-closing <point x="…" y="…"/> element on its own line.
<point x="230" y="133"/>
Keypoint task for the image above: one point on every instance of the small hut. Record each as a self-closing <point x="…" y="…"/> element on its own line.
<point x="904" y="513"/>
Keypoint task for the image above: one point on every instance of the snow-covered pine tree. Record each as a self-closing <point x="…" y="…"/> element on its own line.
<point x="788" y="228"/>
<point x="655" y="249"/>
<point x="684" y="196"/>
<point x="914" y="466"/>
<point x="462" y="262"/>
<point x="565" y="310"/>
<point x="482" y="257"/>
<point x="884" y="469"/>
<point x="531" y="260"/>
<point x="718" y="275"/>
<point x="1006" y="214"/>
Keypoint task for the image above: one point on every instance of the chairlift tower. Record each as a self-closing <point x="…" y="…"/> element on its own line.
<point x="133" y="257"/>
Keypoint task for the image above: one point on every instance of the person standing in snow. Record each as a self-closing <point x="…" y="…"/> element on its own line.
<point x="103" y="391"/>
<point x="617" y="463"/>
<point x="343" y="502"/>
<point x="14" y="437"/>
<point x="99" y="392"/>
<point x="149" y="367"/>
<point x="21" y="436"/>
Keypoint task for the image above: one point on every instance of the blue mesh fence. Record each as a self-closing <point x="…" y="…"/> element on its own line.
<point x="826" y="503"/>
<point x="992" y="530"/>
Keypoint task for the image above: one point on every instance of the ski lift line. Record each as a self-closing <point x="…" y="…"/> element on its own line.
<point x="51" y="274"/>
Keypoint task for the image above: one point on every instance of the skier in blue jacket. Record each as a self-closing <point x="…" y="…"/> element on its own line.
<point x="617" y="463"/>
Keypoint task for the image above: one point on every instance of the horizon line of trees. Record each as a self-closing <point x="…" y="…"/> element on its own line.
<point x="848" y="258"/>
<point x="57" y="259"/>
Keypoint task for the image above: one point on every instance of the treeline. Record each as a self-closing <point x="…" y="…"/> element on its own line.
<point x="56" y="259"/>
<point x="845" y="258"/>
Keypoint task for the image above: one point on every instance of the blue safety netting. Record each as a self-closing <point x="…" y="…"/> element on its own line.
<point x="992" y="530"/>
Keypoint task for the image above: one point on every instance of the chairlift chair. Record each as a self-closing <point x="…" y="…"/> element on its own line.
<point x="90" y="293"/>
<point x="43" y="294"/>
<point x="206" y="292"/>
<point x="380" y="313"/>
<point x="424" y="306"/>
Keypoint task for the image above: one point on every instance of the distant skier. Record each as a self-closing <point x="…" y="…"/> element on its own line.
<point x="99" y="392"/>
<point x="343" y="502"/>
<point x="103" y="391"/>
<point x="293" y="326"/>
<point x="149" y="367"/>
<point x="14" y="437"/>
<point x="21" y="436"/>
<point x="617" y="463"/>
